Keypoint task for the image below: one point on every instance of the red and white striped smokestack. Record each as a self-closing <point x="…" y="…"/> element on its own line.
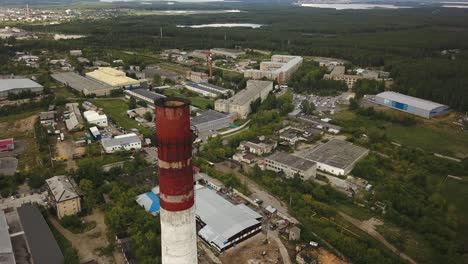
<point x="178" y="230"/>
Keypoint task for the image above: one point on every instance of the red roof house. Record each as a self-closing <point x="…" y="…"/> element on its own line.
<point x="7" y="144"/>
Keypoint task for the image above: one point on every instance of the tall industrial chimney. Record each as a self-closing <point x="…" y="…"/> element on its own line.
<point x="178" y="230"/>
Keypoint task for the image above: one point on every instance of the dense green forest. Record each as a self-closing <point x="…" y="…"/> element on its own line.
<point x="407" y="42"/>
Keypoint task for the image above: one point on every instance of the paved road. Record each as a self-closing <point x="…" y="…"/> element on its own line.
<point x="17" y="202"/>
<point x="257" y="190"/>
<point x="370" y="230"/>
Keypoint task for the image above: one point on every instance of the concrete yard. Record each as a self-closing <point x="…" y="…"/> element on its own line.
<point x="8" y="166"/>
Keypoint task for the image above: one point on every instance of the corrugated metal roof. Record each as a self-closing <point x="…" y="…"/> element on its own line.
<point x="222" y="218"/>
<point x="151" y="96"/>
<point x="150" y="202"/>
<point x="410" y="100"/>
<point x="8" y="84"/>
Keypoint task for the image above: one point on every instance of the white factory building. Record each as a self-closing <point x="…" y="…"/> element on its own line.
<point x="280" y="68"/>
<point x="206" y="89"/>
<point x="291" y="165"/>
<point x="337" y="157"/>
<point x="411" y="105"/>
<point x="239" y="104"/>
<point x="123" y="142"/>
<point x="94" y="118"/>
<point x="17" y="86"/>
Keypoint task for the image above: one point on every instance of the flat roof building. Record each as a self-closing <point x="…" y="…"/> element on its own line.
<point x="40" y="241"/>
<point x="337" y="157"/>
<point x="411" y="105"/>
<point x="82" y="84"/>
<point x="210" y="120"/>
<point x="123" y="142"/>
<point x="112" y="77"/>
<point x="207" y="89"/>
<point x="239" y="104"/>
<point x="291" y="165"/>
<point x="17" y="86"/>
<point x="144" y="95"/>
<point x="258" y="146"/>
<point x="7" y="256"/>
<point x="280" y="68"/>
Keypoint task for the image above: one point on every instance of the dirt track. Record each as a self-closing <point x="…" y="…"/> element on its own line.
<point x="87" y="243"/>
<point x="369" y="227"/>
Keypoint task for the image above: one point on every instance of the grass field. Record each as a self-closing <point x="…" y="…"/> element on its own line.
<point x="456" y="192"/>
<point x="430" y="138"/>
<point x="117" y="110"/>
<point x="197" y="101"/>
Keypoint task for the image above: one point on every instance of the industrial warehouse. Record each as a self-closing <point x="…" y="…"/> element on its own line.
<point x="82" y="84"/>
<point x="207" y="89"/>
<point x="411" y="105"/>
<point x="280" y="68"/>
<point x="112" y="77"/>
<point x="144" y="95"/>
<point x="17" y="86"/>
<point x="337" y="157"/>
<point x="123" y="142"/>
<point x="219" y="222"/>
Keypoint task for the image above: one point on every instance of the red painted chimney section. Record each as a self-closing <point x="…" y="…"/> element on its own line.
<point x="174" y="139"/>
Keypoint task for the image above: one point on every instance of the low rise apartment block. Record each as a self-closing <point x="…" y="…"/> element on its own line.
<point x="64" y="195"/>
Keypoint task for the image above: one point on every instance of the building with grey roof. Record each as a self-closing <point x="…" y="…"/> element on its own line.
<point x="207" y="89"/>
<point x="291" y="165"/>
<point x="16" y="86"/>
<point x="210" y="120"/>
<point x="7" y="255"/>
<point x="222" y="223"/>
<point x="337" y="157"/>
<point x="65" y="195"/>
<point x="123" y="142"/>
<point x="411" y="105"/>
<point x="40" y="241"/>
<point x="144" y="95"/>
<point x="239" y="104"/>
<point x="82" y="84"/>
